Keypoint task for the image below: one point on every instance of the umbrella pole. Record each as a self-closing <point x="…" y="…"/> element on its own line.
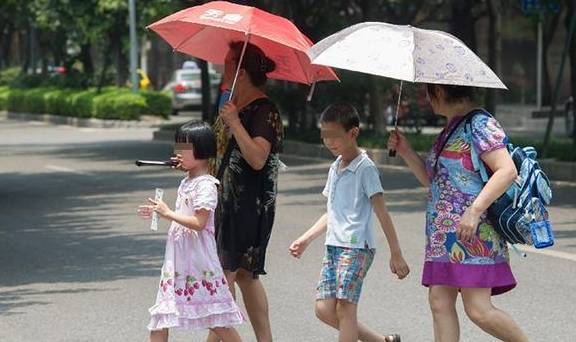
<point x="392" y="153"/>
<point x="309" y="98"/>
<point x="239" y="64"/>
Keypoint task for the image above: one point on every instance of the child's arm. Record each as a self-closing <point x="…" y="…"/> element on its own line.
<point x="299" y="245"/>
<point x="397" y="264"/>
<point x="196" y="222"/>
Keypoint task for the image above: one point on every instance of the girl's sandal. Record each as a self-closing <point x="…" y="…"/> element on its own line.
<point x="392" y="338"/>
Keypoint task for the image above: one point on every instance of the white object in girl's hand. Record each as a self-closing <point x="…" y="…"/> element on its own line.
<point x="157" y="197"/>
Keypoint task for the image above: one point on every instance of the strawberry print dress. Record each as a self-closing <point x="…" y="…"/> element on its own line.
<point x="193" y="293"/>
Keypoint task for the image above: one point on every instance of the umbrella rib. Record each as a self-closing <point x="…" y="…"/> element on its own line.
<point x="185" y="40"/>
<point x="301" y="66"/>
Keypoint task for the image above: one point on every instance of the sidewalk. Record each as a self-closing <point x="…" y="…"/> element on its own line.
<point x="145" y="122"/>
<point x="556" y="170"/>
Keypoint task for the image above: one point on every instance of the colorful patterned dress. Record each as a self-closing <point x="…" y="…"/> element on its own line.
<point x="193" y="293"/>
<point x="247" y="202"/>
<point x="482" y="262"/>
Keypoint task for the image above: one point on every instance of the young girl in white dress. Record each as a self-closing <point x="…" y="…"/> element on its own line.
<point x="193" y="293"/>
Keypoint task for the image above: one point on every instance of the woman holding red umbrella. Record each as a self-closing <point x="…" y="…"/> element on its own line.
<point x="249" y="129"/>
<point x="249" y="134"/>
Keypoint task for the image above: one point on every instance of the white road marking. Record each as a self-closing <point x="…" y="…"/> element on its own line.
<point x="549" y="252"/>
<point x="66" y="169"/>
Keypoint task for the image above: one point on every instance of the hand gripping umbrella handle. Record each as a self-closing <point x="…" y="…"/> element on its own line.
<point x="392" y="153"/>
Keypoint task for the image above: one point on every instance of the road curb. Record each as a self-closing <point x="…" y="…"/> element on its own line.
<point x="556" y="170"/>
<point x="147" y="122"/>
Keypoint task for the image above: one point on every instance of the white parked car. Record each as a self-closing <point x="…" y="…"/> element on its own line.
<point x="185" y="87"/>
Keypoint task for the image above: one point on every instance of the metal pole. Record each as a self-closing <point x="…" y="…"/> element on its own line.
<point x="133" y="46"/>
<point x="539" y="61"/>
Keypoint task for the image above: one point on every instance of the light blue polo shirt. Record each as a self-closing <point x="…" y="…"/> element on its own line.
<point x="350" y="212"/>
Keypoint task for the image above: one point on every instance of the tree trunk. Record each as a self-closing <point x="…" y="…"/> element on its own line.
<point x="7" y="33"/>
<point x="376" y="108"/>
<point x="462" y="22"/>
<point x="119" y="30"/>
<point x="23" y="50"/>
<point x="58" y="47"/>
<point x="494" y="49"/>
<point x="105" y="63"/>
<point x="376" y="105"/>
<point x="550" y="25"/>
<point x="86" y="59"/>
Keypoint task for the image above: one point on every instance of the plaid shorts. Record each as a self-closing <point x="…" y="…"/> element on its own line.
<point x="343" y="272"/>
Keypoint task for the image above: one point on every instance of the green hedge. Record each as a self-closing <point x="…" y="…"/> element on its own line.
<point x="158" y="103"/>
<point x="9" y="75"/>
<point x="111" y="103"/>
<point x="119" y="105"/>
<point x="4" y="92"/>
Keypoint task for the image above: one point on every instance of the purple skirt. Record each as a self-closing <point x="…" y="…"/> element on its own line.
<point x="498" y="277"/>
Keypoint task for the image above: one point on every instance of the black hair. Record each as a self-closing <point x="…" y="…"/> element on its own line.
<point x="201" y="136"/>
<point x="254" y="62"/>
<point x="454" y="93"/>
<point x="342" y="113"/>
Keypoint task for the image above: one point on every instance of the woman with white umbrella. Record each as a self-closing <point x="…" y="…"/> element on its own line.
<point x="463" y="254"/>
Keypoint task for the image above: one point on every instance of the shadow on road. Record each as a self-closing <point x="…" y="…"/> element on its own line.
<point x="60" y="227"/>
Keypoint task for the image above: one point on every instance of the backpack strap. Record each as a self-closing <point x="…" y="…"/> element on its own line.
<point x="476" y="161"/>
<point x="467" y="119"/>
<point x="445" y="141"/>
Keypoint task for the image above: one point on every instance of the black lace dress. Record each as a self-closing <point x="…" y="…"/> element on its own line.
<point x="247" y="200"/>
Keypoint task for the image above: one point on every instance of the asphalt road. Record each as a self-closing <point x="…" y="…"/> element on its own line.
<point x="77" y="264"/>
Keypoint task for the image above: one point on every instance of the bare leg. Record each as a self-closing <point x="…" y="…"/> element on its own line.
<point x="256" y="303"/>
<point x="347" y="321"/>
<point x="326" y="312"/>
<point x="443" y="306"/>
<point x="159" y="335"/>
<point x="479" y="308"/>
<point x="231" y="280"/>
<point x="227" y="334"/>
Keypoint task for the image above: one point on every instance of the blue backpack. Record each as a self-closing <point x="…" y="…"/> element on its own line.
<point x="520" y="214"/>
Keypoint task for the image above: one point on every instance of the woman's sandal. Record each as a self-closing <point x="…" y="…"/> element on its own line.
<point x="392" y="338"/>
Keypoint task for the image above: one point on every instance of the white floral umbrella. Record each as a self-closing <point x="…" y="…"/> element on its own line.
<point x="405" y="53"/>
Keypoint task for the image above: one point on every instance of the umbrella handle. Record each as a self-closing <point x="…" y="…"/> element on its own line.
<point x="392" y="153"/>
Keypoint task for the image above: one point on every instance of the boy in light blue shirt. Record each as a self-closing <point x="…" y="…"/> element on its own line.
<point x="354" y="191"/>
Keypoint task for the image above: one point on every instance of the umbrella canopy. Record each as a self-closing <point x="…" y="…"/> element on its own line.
<point x="205" y="32"/>
<point x="405" y="53"/>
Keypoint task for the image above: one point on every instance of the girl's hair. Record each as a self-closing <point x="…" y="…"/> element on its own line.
<point x="341" y="113"/>
<point x="201" y="136"/>
<point x="454" y="93"/>
<point x="254" y="62"/>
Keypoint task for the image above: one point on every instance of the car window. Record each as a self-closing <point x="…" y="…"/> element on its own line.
<point x="188" y="76"/>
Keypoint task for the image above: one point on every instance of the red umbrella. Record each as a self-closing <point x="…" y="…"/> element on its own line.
<point x="205" y="31"/>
